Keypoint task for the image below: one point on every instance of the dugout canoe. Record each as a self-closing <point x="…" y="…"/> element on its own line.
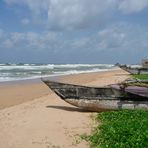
<point x="113" y="97"/>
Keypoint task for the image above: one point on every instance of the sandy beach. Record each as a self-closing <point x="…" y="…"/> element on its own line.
<point x="32" y="116"/>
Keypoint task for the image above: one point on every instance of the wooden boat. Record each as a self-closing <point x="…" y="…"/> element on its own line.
<point x="134" y="70"/>
<point x="111" y="97"/>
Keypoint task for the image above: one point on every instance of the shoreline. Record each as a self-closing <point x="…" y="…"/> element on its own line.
<point x="31" y="115"/>
<point x="51" y="77"/>
<point x="14" y="72"/>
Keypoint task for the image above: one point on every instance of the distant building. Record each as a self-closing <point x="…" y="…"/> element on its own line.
<point x="145" y="63"/>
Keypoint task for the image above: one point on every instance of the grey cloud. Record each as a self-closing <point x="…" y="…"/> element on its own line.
<point x="132" y="6"/>
<point x="66" y="14"/>
<point x="78" y="14"/>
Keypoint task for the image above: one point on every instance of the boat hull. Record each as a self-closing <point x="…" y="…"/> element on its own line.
<point x="104" y="105"/>
<point x="98" y="98"/>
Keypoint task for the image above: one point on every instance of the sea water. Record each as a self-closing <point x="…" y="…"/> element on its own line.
<point x="11" y="72"/>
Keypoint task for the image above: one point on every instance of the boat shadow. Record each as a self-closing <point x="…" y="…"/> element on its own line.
<point x="67" y="108"/>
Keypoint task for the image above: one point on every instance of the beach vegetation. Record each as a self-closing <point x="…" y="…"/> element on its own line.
<point x="120" y="129"/>
<point x="77" y="140"/>
<point x="141" y="76"/>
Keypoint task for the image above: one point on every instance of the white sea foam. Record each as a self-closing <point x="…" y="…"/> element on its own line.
<point x="9" y="72"/>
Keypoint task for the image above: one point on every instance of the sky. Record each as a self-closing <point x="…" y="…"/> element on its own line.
<point x="73" y="31"/>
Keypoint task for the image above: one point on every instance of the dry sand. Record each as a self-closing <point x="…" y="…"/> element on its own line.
<point x="31" y="116"/>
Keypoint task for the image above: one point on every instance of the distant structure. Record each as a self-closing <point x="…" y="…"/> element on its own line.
<point x="143" y="69"/>
<point x="145" y="63"/>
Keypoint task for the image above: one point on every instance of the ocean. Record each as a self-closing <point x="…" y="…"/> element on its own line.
<point x="12" y="72"/>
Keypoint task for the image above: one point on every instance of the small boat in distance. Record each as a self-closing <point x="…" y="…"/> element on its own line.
<point x="134" y="70"/>
<point x="113" y="97"/>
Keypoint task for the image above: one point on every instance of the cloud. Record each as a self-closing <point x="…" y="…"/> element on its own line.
<point x="112" y="37"/>
<point x="118" y="36"/>
<point x="119" y="41"/>
<point x="29" y="40"/>
<point x="66" y="14"/>
<point x="25" y="21"/>
<point x="36" y="7"/>
<point x="132" y="6"/>
<point x="78" y="14"/>
<point x="124" y="38"/>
